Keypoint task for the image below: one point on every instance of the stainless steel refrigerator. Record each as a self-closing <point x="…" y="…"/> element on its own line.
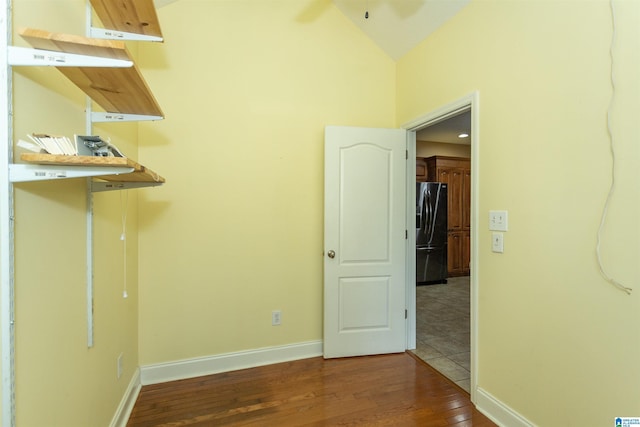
<point x="431" y="233"/>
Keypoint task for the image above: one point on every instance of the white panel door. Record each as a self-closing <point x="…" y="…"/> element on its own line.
<point x="364" y="241"/>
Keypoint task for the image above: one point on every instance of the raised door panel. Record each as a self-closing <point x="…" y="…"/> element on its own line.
<point x="421" y="170"/>
<point x="454" y="199"/>
<point x="466" y="252"/>
<point x="442" y="175"/>
<point x="454" y="260"/>
<point x="466" y="199"/>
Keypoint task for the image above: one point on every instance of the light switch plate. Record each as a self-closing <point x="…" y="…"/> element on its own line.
<point x="497" y="242"/>
<point x="498" y="220"/>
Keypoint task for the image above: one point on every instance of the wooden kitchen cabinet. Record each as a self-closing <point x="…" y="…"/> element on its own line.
<point x="466" y="198"/>
<point x="421" y="169"/>
<point x="456" y="172"/>
<point x="466" y="251"/>
<point x="454" y="245"/>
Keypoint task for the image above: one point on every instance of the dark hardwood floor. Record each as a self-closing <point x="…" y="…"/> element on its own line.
<point x="390" y="390"/>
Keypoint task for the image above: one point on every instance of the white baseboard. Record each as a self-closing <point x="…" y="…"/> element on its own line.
<point x="128" y="400"/>
<point x="498" y="412"/>
<point x="190" y="368"/>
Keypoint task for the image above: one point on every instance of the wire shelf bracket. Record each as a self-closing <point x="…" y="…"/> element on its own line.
<point x="25" y="56"/>
<point x="28" y="173"/>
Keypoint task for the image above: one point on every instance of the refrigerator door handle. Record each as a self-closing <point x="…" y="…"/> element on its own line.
<point x="423" y="215"/>
<point x="429" y="209"/>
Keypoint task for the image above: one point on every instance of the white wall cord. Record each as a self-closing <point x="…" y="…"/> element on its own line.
<point x="604" y="274"/>
<point x="123" y="236"/>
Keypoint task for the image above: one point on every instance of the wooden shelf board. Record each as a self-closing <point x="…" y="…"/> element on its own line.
<point x="140" y="173"/>
<point x="131" y="16"/>
<point x="117" y="90"/>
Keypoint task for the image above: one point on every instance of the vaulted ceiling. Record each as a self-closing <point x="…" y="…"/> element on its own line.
<point x="396" y="26"/>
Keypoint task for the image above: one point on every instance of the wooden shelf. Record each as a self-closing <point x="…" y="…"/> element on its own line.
<point x="117" y="90"/>
<point x="139" y="174"/>
<point x="131" y="16"/>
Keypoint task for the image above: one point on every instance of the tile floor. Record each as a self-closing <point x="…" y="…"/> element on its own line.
<point x="443" y="328"/>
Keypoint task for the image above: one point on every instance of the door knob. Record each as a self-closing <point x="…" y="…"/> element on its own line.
<point x="331" y="254"/>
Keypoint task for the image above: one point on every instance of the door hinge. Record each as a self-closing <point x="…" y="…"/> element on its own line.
<point x="405" y="313"/>
<point x="406" y="154"/>
<point x="406" y="234"/>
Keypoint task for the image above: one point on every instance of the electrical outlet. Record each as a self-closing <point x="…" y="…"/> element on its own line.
<point x="119" y="364"/>
<point x="276" y="317"/>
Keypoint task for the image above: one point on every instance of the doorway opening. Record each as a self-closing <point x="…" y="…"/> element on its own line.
<point x="444" y="308"/>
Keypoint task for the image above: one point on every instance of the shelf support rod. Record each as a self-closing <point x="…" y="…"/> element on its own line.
<point x="89" y="215"/>
<point x="7" y="276"/>
<point x="89" y="221"/>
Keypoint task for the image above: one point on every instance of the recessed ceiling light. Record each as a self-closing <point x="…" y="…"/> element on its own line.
<point x="463" y="135"/>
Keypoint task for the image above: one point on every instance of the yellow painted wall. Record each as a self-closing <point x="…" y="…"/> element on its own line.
<point x="247" y="88"/>
<point x="557" y="343"/>
<point x="59" y="381"/>
<point x="428" y="149"/>
<point x="236" y="232"/>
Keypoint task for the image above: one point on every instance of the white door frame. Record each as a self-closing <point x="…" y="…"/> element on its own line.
<point x="468" y="102"/>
